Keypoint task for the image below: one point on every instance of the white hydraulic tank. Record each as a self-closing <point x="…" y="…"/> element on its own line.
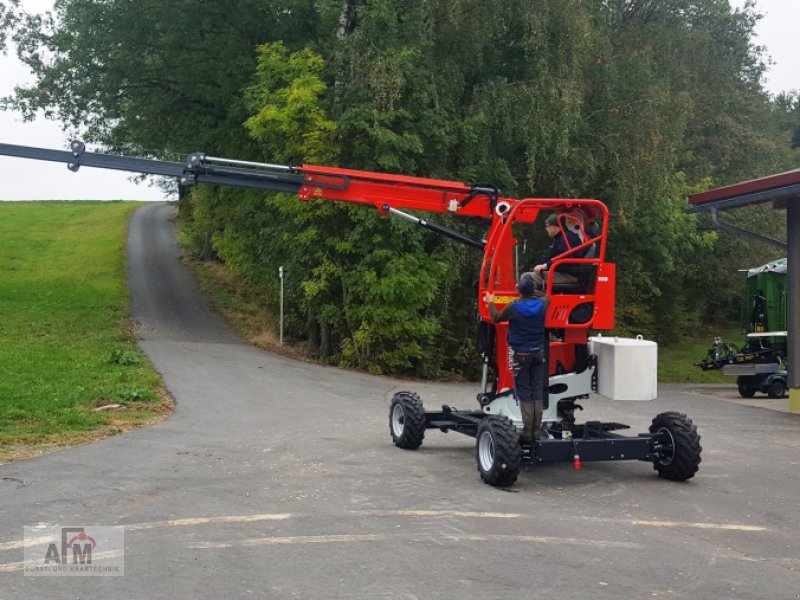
<point x="627" y="368"/>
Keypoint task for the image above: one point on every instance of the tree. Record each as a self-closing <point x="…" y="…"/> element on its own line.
<point x="9" y="18"/>
<point x="148" y="76"/>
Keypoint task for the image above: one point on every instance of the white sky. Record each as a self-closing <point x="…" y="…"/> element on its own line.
<point x="39" y="180"/>
<point x="24" y="179"/>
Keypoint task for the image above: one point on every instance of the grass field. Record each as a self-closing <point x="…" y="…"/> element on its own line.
<point x="676" y="361"/>
<point x="66" y="348"/>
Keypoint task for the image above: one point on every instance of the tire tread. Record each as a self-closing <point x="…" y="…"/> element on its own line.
<point x="686" y="460"/>
<point x="414" y="420"/>
<point x="508" y="453"/>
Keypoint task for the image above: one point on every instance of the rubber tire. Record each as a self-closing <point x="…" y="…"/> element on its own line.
<point x="498" y="453"/>
<point x="407" y="420"/>
<point x="776" y="389"/>
<point x="682" y="434"/>
<point x="747" y="390"/>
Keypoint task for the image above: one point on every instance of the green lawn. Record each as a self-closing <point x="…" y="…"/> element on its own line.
<point x="676" y="361"/>
<point x="65" y="342"/>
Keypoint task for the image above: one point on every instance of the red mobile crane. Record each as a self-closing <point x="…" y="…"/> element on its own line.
<point x="672" y="444"/>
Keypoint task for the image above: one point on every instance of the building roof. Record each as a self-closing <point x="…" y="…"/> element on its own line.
<point x="764" y="189"/>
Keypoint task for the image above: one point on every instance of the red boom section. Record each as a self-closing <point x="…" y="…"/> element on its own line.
<point x="396" y="191"/>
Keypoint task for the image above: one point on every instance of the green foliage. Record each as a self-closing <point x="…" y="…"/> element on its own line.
<point x="121" y="357"/>
<point x="9" y="18"/>
<point x="151" y="75"/>
<point x="284" y="101"/>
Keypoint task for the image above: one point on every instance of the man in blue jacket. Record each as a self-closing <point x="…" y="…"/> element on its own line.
<point x="526" y="336"/>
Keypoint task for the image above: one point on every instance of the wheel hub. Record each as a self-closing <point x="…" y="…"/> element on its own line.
<point x="486" y="450"/>
<point x="398" y="420"/>
<point x="665" y="448"/>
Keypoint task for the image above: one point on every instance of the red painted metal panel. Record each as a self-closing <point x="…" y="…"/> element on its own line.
<point x="604" y="291"/>
<point x="747" y="187"/>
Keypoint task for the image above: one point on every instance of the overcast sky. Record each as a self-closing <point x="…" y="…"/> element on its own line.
<point x="38" y="180"/>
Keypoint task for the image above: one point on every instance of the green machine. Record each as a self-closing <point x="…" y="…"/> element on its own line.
<point x="766" y="302"/>
<point x="760" y="365"/>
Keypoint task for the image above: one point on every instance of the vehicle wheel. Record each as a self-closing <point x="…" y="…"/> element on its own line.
<point x="407" y="420"/>
<point x="497" y="451"/>
<point x="776" y="389"/>
<point x="678" y="448"/>
<point x="746" y="388"/>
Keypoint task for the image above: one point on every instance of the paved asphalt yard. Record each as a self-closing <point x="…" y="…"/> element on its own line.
<point x="278" y="479"/>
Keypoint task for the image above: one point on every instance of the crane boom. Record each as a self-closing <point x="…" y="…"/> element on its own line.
<point x="307" y="181"/>
<point x="573" y="309"/>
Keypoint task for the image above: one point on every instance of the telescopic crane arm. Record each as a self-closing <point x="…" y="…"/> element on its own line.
<point x="387" y="193"/>
<point x="392" y="194"/>
<point x="573" y="310"/>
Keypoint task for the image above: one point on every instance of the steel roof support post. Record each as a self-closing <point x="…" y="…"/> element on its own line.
<point x="793" y="271"/>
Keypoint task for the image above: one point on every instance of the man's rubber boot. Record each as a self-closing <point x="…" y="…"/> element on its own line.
<point x="536" y="424"/>
<point x="528" y="416"/>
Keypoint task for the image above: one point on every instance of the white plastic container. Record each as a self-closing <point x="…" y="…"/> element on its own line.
<point x="627" y="368"/>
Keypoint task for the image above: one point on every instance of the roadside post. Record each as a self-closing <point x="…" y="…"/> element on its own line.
<point x="280" y="275"/>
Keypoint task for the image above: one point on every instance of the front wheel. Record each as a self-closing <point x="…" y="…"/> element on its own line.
<point x="677" y="446"/>
<point x="497" y="451"/>
<point x="407" y="420"/>
<point x="776" y="389"/>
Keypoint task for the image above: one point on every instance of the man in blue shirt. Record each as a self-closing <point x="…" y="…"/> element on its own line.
<point x="526" y="336"/>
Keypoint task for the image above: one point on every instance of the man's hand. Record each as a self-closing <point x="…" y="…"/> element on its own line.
<point x="488" y="298"/>
<point x="538" y="268"/>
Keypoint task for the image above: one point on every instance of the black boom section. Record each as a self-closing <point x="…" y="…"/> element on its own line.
<point x="78" y="157"/>
<point x="243" y="178"/>
<point x="195" y="170"/>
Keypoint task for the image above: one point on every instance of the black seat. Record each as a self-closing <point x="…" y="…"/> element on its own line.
<point x="583" y="271"/>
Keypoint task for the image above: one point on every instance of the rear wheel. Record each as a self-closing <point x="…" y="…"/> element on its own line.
<point x="678" y="446"/>
<point x="407" y="420"/>
<point x="497" y="451"/>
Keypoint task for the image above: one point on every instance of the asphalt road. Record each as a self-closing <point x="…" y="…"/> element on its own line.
<point x="277" y="479"/>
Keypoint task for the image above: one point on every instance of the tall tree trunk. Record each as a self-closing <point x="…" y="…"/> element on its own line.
<point x="312" y="332"/>
<point x="324" y="339"/>
<point x="344" y="27"/>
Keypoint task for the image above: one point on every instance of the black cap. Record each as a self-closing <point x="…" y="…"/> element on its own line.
<point x="526" y="284"/>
